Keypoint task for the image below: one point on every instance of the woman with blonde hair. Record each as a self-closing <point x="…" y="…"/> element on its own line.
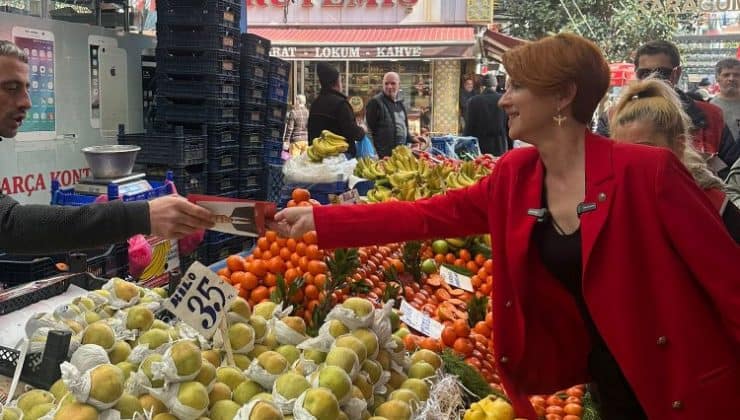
<point x="649" y="112"/>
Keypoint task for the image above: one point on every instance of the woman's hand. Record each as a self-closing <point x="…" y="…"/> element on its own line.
<point x="294" y="222"/>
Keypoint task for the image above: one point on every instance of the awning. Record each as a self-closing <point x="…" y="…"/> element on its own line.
<point x="496" y="44"/>
<point x="369" y="43"/>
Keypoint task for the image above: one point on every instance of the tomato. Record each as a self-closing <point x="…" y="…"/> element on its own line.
<point x="574" y="409"/>
<point x="555" y="400"/>
<point x="555" y="409"/>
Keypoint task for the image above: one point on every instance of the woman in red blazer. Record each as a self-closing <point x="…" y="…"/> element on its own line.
<point x="601" y="266"/>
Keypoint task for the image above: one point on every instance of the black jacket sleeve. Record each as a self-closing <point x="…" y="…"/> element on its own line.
<point x="470" y="120"/>
<point x="45" y="229"/>
<point x="729" y="150"/>
<point x="372" y="116"/>
<point x="731" y="218"/>
<point x="348" y="126"/>
<point x="602" y="126"/>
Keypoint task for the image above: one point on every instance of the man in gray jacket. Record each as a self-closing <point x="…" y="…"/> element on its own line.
<point x="46" y="229"/>
<point x="387" y="119"/>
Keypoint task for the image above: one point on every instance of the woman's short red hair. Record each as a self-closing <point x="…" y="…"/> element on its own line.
<point x="549" y="65"/>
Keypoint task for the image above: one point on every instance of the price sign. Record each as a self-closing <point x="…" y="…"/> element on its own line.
<point x="200" y="299"/>
<point x="420" y="321"/>
<point x="456" y="279"/>
<point x="349" y="197"/>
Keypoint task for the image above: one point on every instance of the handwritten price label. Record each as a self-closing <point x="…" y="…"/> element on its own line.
<point x="456" y="279"/>
<point x="420" y="321"/>
<point x="200" y="299"/>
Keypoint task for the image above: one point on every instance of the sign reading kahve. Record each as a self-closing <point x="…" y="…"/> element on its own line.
<point x="392" y="52"/>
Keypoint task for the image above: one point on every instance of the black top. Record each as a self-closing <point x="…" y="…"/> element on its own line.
<point x="381" y="123"/>
<point x="561" y="254"/>
<point x="731" y="217"/>
<point x="331" y="111"/>
<point x="486" y="121"/>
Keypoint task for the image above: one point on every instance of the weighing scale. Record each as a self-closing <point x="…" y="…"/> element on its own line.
<point x="127" y="185"/>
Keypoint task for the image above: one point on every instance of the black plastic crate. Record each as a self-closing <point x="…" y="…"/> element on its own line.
<point x="279" y="68"/>
<point x="207" y="112"/>
<point x="224" y="181"/>
<point x="223" y="134"/>
<point x="254" y="46"/>
<point x="202" y="62"/>
<point x="252" y="193"/>
<point x="277" y="90"/>
<point x="273" y="132"/>
<point x="276" y="112"/>
<point x="216" y="251"/>
<point x="188" y="180"/>
<point x="199" y="12"/>
<point x="173" y="148"/>
<point x="253" y="93"/>
<point x="19" y="269"/>
<point x="252" y="114"/>
<point x="223" y="158"/>
<point x="275" y="181"/>
<point x="272" y="152"/>
<point x="205" y="87"/>
<point x="198" y="37"/>
<point x="249" y="179"/>
<point x="250" y="135"/>
<point x="254" y="70"/>
<point x="250" y="158"/>
<point x="213" y="236"/>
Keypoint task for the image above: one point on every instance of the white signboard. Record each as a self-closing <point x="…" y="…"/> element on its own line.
<point x="420" y="321"/>
<point x="456" y="279"/>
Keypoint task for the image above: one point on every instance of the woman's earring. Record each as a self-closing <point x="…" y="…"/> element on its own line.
<point x="559" y="118"/>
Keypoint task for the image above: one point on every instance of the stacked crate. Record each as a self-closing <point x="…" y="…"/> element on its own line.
<point x="277" y="109"/>
<point x="255" y="75"/>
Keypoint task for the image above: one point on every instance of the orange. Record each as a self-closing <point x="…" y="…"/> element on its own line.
<point x="259" y="268"/>
<point x="274" y="248"/>
<point x="300" y="194"/>
<point x="224" y="278"/>
<point x="430" y="344"/>
<point x="409" y="341"/>
<point x="311" y="292"/>
<point x="259" y="294"/>
<point x="281" y="241"/>
<point x="266" y="255"/>
<point x="256" y="253"/>
<point x="270" y="280"/>
<point x="316" y="267"/>
<point x="488" y="265"/>
<point x="295" y="259"/>
<point x="312" y="304"/>
<point x="398" y="264"/>
<point x="290" y="275"/>
<point x="313" y="252"/>
<point x="459" y="262"/>
<point x="482" y="329"/>
<point x="276" y="265"/>
<point x="300" y="249"/>
<point x="237" y="277"/>
<point x="291" y="203"/>
<point x="463" y="346"/>
<point x="480" y="259"/>
<point x="291" y="244"/>
<point x="297" y="297"/>
<point x="303" y="263"/>
<point x="573" y="409"/>
<point x="249" y="281"/>
<point x="308" y="278"/>
<point x="263" y="244"/>
<point x="450" y="258"/>
<point x="285" y="254"/>
<point x="271" y="236"/>
<point x="235" y="263"/>
<point x="439" y="258"/>
<point x="224" y="272"/>
<point x="465" y="255"/>
<point x="449" y="336"/>
<point x="471" y="266"/>
<point x="311" y="238"/>
<point x="319" y="280"/>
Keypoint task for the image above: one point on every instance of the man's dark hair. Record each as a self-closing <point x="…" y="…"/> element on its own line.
<point x="727" y="63"/>
<point x="659" y="47"/>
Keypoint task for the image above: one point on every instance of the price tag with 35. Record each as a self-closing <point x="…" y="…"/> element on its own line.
<point x="456" y="279"/>
<point x="201" y="299"/>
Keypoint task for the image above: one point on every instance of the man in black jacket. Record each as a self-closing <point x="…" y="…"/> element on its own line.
<point x="47" y="229"/>
<point x="387" y="119"/>
<point x="331" y="110"/>
<point x="486" y="121"/>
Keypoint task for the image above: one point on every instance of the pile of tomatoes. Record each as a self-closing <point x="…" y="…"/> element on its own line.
<point x="563" y="405"/>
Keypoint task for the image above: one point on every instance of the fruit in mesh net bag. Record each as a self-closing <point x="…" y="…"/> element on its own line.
<point x="220" y="391"/>
<point x="106" y="383"/>
<point x="373" y="370"/>
<point x="257" y="350"/>
<point x="397" y="379"/>
<point x="213" y="356"/>
<point x="315" y="356"/>
<point x="58" y="389"/>
<point x="342" y="416"/>
<point x="38" y="411"/>
<point x="84" y="302"/>
<point x="419" y="387"/>
<point x="125" y="290"/>
<point x="394" y="410"/>
<point x="427" y="356"/>
<point x="264" y="309"/>
<point x="146" y="368"/>
<point x="193" y="394"/>
<point x="421" y="370"/>
<point x="160" y="325"/>
<point x="264" y="410"/>
<point x="92" y="317"/>
<point x="139" y="318"/>
<point x="206" y="374"/>
<point x="377" y="418"/>
<point x="363" y="383"/>
<point x="121" y="351"/>
<point x="128" y="405"/>
<point x="273" y="362"/>
<point x="295" y="323"/>
<point x="99" y="333"/>
<point x="160" y="291"/>
<point x="230" y="376"/>
<point x="241" y="307"/>
<point x="395" y="320"/>
<point x="150" y="403"/>
<point x="33" y="398"/>
<point x="342" y="357"/>
<point x="224" y="410"/>
<point x="290" y="385"/>
<point x="75" y="326"/>
<point x="399" y="347"/>
<point x="240" y="335"/>
<point x="187" y="358"/>
<point x="165" y="416"/>
<point x="361" y="307"/>
<point x="290" y="352"/>
<point x="11" y="413"/>
<point x="259" y="324"/>
<point x="242" y="361"/>
<point x="321" y="403"/>
<point x="368" y="338"/>
<point x="127" y="368"/>
<point x="353" y="343"/>
<point x="384" y="358"/>
<point x="154" y="338"/>
<point x="406" y="395"/>
<point x="336" y="328"/>
<point x="270" y="341"/>
<point x="336" y="380"/>
<point x="246" y="391"/>
<point x="263" y="396"/>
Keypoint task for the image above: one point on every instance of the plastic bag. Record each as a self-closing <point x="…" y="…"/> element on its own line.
<point x="139" y="254"/>
<point x="366" y="148"/>
<point x="190" y="243"/>
<point x="300" y="169"/>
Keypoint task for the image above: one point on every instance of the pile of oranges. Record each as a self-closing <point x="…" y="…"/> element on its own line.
<point x="563" y="405"/>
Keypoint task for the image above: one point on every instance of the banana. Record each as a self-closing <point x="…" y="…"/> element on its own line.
<point x="329" y="135"/>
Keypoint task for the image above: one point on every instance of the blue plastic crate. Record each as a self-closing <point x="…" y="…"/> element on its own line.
<point x="276" y="112"/>
<point x="200" y="62"/>
<point x="273" y="132"/>
<point x="456" y="147"/>
<point x="215" y="251"/>
<point x="275" y="181"/>
<point x="254" y="70"/>
<point x="172" y="147"/>
<point x="272" y="152"/>
<point x="188" y="180"/>
<point x="252" y="114"/>
<point x="278" y="90"/>
<point x="319" y="192"/>
<point x="199" y="12"/>
<point x="253" y="93"/>
<point x="223" y="158"/>
<point x="68" y="196"/>
<point x="364" y="186"/>
<point x="250" y="158"/>
<point x="279" y="68"/>
<point x="224" y="181"/>
<point x="250" y="135"/>
<point x="254" y="46"/>
<point x="251" y="179"/>
<point x="198" y="37"/>
<point x="252" y="193"/>
<point x="204" y="87"/>
<point x="207" y="112"/>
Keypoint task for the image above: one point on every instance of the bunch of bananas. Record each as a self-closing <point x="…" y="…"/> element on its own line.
<point x="490" y="408"/>
<point x="468" y="174"/>
<point x="329" y="144"/>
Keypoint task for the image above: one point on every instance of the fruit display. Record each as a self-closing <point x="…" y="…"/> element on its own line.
<point x="490" y="408"/>
<point x="405" y="177"/>
<point x="327" y="145"/>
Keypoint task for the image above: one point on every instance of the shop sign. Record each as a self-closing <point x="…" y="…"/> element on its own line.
<point x="393" y="52"/>
<point x="334" y="3"/>
<point x="27" y="184"/>
<point x="691" y="6"/>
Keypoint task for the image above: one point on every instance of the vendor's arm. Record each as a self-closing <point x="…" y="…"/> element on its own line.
<point x="42" y="229"/>
<point x="697" y="233"/>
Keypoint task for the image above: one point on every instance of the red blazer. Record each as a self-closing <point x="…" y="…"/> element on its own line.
<point x="659" y="276"/>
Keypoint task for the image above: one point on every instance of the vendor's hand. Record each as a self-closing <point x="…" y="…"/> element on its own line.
<point x="294" y="222"/>
<point x="174" y="217"/>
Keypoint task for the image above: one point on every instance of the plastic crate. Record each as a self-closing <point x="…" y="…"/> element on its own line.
<point x="252" y="193"/>
<point x="188" y="180"/>
<point x="215" y="251"/>
<point x="275" y="182"/>
<point x="251" y="179"/>
<point x="250" y="135"/>
<point x="253" y="93"/>
<point x="224" y="181"/>
<point x="209" y="87"/>
<point x="319" y="192"/>
<point x="273" y="132"/>
<point x="19" y="269"/>
<point x="254" y="70"/>
<point x="254" y="115"/>
<point x="173" y="148"/>
<point x="279" y="68"/>
<point x="199" y="12"/>
<point x="456" y="147"/>
<point x="278" y="90"/>
<point x="272" y="152"/>
<point x="68" y="196"/>
<point x="223" y="133"/>
<point x="204" y="62"/>
<point x="254" y="46"/>
<point x="276" y="112"/>
<point x="223" y="158"/>
<point x="208" y="112"/>
<point x="250" y="158"/>
<point x="198" y="37"/>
